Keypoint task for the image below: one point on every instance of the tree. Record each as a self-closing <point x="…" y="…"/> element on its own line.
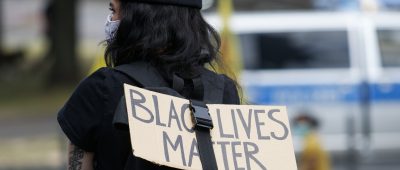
<point x="62" y="35"/>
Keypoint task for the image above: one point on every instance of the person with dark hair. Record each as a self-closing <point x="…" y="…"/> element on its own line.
<point x="170" y="35"/>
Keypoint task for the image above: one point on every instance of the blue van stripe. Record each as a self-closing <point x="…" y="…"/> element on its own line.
<point x="323" y="93"/>
<point x="385" y="92"/>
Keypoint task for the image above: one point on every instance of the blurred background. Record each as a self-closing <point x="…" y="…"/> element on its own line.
<point x="334" y="63"/>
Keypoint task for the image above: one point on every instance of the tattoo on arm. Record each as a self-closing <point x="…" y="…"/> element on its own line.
<point x="76" y="158"/>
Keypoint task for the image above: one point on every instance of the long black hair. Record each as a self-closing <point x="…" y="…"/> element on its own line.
<point x="174" y="38"/>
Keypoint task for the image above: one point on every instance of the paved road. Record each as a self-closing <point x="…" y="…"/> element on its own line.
<point x="387" y="160"/>
<point x="27" y="127"/>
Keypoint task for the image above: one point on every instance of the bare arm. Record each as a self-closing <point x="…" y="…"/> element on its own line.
<point x="79" y="159"/>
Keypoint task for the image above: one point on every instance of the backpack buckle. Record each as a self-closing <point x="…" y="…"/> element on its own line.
<point x="200" y="116"/>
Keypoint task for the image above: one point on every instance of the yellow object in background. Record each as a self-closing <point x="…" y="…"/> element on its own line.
<point x="231" y="58"/>
<point x="230" y="48"/>
<point x="99" y="61"/>
<point x="313" y="156"/>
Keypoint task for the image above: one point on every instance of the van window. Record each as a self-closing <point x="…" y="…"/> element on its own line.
<point x="295" y="50"/>
<point x="389" y="44"/>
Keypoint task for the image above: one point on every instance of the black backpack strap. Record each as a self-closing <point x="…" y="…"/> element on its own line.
<point x="203" y="125"/>
<point x="208" y="88"/>
<point x="213" y="87"/>
<point x="143" y="73"/>
<point x="120" y="120"/>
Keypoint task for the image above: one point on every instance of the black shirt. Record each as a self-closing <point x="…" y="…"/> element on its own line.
<point x="86" y="119"/>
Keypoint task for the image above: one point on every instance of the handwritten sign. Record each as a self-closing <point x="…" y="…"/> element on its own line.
<point x="244" y="137"/>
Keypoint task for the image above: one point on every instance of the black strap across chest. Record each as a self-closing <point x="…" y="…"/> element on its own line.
<point x="208" y="88"/>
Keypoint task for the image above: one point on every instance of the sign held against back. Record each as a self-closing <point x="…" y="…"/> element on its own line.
<point x="243" y="136"/>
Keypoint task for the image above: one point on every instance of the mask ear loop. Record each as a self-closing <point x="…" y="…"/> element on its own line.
<point x="109" y="18"/>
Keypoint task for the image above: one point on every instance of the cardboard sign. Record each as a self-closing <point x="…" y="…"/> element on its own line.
<point x="244" y="137"/>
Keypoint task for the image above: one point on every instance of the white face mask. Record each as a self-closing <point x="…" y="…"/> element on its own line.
<point x="111" y="28"/>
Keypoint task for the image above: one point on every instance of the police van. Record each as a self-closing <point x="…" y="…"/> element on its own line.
<point x="341" y="67"/>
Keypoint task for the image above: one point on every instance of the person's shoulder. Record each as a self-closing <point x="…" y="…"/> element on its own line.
<point x="223" y="77"/>
<point x="231" y="94"/>
<point x="228" y="80"/>
<point x="103" y="74"/>
<point x="98" y="81"/>
<point x="110" y="78"/>
<point x="96" y="78"/>
<point x="230" y="87"/>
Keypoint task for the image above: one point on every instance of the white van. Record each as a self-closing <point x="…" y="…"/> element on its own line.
<point x="343" y="68"/>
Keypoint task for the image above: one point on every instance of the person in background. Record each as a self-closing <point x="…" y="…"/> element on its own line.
<point x="313" y="156"/>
